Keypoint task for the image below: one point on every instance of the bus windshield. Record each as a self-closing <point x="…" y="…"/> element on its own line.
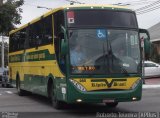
<point x="104" y="51"/>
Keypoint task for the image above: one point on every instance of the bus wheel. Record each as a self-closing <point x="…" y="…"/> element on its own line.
<point x="20" y="91"/>
<point x="56" y="103"/>
<point x="2" y="85"/>
<point x="112" y="105"/>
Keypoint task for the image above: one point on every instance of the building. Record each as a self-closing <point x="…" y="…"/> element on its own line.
<point x="155" y="39"/>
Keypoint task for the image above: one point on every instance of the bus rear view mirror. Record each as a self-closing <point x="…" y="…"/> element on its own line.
<point x="145" y="42"/>
<point x="63" y="47"/>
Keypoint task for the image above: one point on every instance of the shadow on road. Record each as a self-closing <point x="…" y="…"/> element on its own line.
<point x="76" y="109"/>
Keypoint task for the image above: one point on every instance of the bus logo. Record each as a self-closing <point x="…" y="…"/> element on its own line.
<point x="115" y="82"/>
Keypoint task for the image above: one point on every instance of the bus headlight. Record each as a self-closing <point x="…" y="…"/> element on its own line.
<point x="79" y="86"/>
<point x="135" y="84"/>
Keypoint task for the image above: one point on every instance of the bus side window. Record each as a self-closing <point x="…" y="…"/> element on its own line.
<point x="47" y="30"/>
<point x="26" y="43"/>
<point x="17" y="41"/>
<point x="13" y="41"/>
<point x="33" y="35"/>
<point x="22" y="37"/>
<point x="38" y="33"/>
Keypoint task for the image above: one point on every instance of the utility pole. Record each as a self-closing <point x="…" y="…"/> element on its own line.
<point x="2" y="50"/>
<point x="2" y="53"/>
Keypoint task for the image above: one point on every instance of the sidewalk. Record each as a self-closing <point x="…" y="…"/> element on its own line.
<point x="152" y="83"/>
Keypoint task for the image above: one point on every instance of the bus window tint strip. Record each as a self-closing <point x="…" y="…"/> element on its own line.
<point x="101" y="18"/>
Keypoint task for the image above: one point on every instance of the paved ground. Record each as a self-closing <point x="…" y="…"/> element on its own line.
<point x="34" y="106"/>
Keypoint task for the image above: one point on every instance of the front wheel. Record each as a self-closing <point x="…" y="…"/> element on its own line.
<point x="112" y="105"/>
<point x="3" y="85"/>
<point x="56" y="103"/>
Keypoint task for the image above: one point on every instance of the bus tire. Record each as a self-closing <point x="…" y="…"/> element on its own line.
<point x="55" y="103"/>
<point x="2" y="85"/>
<point x="20" y="91"/>
<point x="112" y="105"/>
<point x="8" y="85"/>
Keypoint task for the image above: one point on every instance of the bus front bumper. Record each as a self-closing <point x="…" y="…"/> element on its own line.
<point x="75" y="96"/>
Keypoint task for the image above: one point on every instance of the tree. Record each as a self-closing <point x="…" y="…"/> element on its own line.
<point x="10" y="15"/>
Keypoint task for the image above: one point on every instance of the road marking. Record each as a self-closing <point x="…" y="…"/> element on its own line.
<point x="9" y="92"/>
<point x="151" y="86"/>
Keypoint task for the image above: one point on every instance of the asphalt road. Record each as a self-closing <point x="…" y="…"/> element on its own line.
<point x="34" y="106"/>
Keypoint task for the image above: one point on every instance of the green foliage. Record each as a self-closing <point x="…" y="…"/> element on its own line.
<point x="10" y="15"/>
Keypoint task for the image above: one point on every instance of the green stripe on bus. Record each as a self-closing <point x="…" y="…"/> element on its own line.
<point x="41" y="55"/>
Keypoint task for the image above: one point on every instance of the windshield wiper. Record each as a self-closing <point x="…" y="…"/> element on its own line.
<point x="103" y="54"/>
<point x="103" y="57"/>
<point x="110" y="53"/>
<point x="124" y="71"/>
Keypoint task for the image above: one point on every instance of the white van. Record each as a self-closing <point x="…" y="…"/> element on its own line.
<point x="1" y="73"/>
<point x="5" y="79"/>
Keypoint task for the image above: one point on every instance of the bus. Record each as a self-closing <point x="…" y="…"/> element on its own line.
<point x="41" y="58"/>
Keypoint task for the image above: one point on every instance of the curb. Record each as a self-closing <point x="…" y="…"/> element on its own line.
<point x="150" y="86"/>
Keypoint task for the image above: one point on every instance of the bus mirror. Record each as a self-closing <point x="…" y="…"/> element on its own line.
<point x="144" y="34"/>
<point x="63" y="47"/>
<point x="145" y="42"/>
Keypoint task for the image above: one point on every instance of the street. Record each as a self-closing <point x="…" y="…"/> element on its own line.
<point x="89" y="52"/>
<point x="38" y="106"/>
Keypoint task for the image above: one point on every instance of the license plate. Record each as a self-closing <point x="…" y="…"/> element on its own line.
<point x="108" y="101"/>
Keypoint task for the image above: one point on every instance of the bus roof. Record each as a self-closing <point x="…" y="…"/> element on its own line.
<point x="94" y="5"/>
<point x="82" y="6"/>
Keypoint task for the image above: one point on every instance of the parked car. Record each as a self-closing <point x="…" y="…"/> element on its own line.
<point x="151" y="69"/>
<point x="1" y="73"/>
<point x="5" y="79"/>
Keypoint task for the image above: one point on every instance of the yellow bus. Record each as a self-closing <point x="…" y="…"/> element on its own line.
<point x="108" y="68"/>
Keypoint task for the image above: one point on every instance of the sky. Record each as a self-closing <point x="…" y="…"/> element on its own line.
<point x="30" y="10"/>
